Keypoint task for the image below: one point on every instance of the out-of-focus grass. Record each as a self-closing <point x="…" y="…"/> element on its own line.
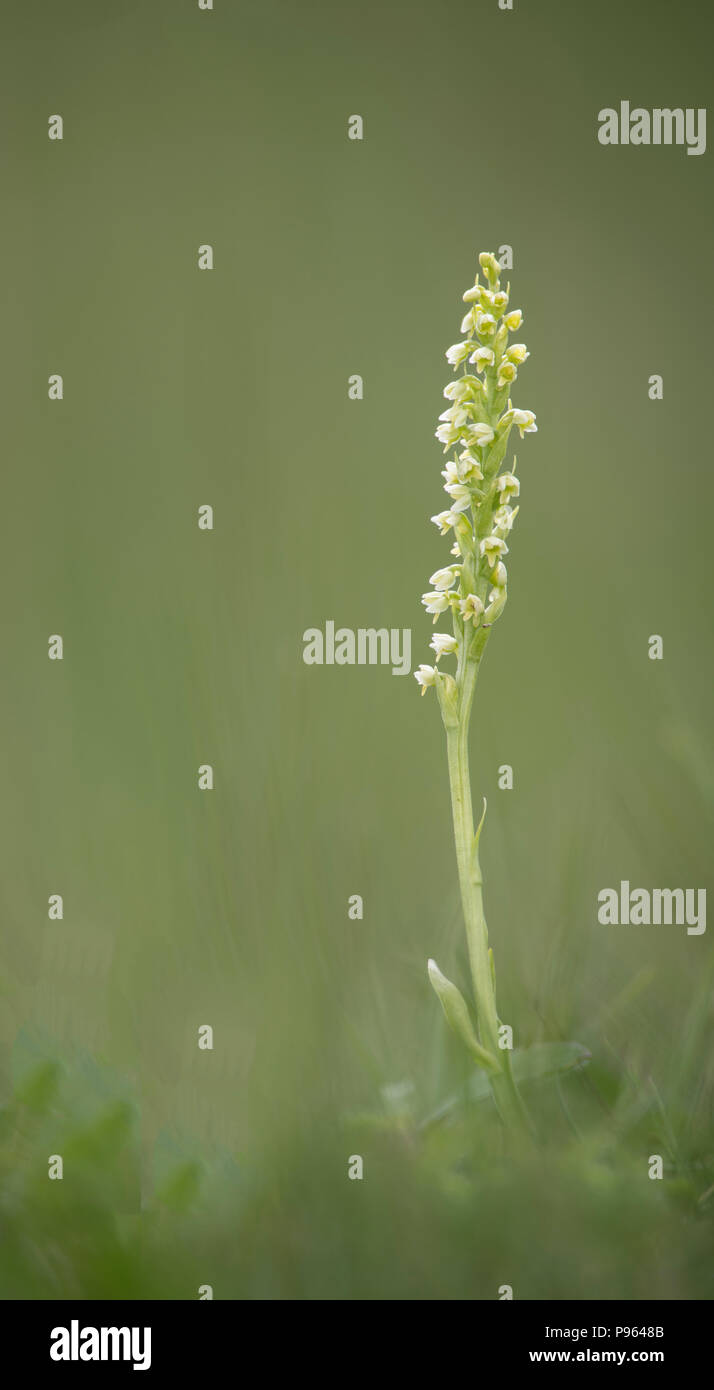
<point x="447" y="1215"/>
<point x="448" y="1209"/>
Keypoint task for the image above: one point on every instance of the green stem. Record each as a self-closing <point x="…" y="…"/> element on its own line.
<point x="507" y="1098"/>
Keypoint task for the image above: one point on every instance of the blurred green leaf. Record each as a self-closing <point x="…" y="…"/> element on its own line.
<point x="39" y="1087"/>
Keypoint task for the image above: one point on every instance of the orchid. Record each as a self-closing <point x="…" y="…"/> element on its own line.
<point x="475" y="592"/>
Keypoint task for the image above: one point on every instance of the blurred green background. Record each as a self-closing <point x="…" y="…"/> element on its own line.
<point x="332" y="257"/>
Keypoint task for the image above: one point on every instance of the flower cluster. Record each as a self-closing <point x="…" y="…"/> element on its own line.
<point x="475" y="428"/>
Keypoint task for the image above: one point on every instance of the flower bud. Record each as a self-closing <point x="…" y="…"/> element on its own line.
<point x="490" y="267"/>
<point x="457" y="1016"/>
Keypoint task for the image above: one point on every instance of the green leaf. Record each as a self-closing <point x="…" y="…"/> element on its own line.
<point x="183" y="1186"/>
<point x="38" y="1087"/>
<point x="479" y="827"/>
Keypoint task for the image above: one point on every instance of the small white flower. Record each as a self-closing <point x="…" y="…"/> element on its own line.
<point x="435" y="603"/>
<point x="525" y="420"/>
<point x="443" y="579"/>
<point x="454" y="390"/>
<point x="493" y="548"/>
<point x="426" y="676"/>
<point x="467" y="322"/>
<point x="451" y="473"/>
<point x="518" y="353"/>
<point x="513" y="320"/>
<point x="443" y="645"/>
<point x="471" y="608"/>
<point x="444" y="520"/>
<point x="457" y="415"/>
<point x="506" y="373"/>
<point x="471" y="295"/>
<point x="499" y="577"/>
<point x="455" y="550"/>
<point x="485" y="325"/>
<point x="499" y="300"/>
<point x="479" y="435"/>
<point x="447" y="434"/>
<point x="457" y="353"/>
<point x="468" y="468"/>
<point x="483" y="357"/>
<point x="508" y="485"/>
<point x="460" y="495"/>
<point x="503" y="519"/>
